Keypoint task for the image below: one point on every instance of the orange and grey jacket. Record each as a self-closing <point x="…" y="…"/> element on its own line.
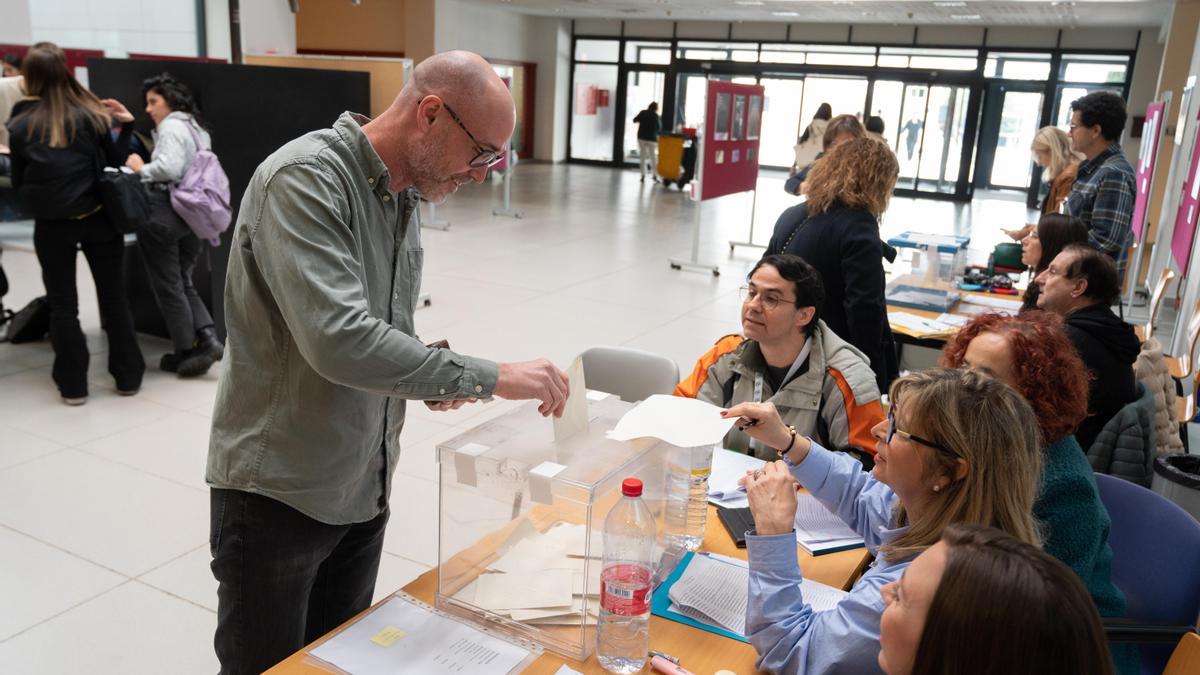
<point x="833" y="399"/>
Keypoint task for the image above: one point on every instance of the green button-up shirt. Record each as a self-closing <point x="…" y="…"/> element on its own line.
<point x="321" y="353"/>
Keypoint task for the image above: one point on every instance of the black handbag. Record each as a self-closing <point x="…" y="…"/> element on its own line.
<point x="30" y="324"/>
<point x="125" y="199"/>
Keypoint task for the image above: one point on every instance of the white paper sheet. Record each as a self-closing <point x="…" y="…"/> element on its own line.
<point x="998" y="303"/>
<point x="715" y="592"/>
<point x="430" y="643"/>
<point x="956" y="320"/>
<point x="575" y="415"/>
<point x="524" y="590"/>
<point x="685" y="422"/>
<point x="727" y="468"/>
<point x="918" y="324"/>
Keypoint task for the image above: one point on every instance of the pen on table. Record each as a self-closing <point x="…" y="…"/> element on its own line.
<point x="665" y="663"/>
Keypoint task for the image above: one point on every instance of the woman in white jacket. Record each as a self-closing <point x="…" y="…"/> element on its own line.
<point x="169" y="248"/>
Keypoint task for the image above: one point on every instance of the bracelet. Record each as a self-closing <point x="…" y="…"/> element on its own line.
<point x="783" y="453"/>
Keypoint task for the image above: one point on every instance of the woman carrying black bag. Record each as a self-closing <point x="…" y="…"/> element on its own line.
<point x="55" y="136"/>
<point x="169" y="247"/>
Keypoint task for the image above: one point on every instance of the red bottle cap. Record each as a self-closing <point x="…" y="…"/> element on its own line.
<point x="631" y="487"/>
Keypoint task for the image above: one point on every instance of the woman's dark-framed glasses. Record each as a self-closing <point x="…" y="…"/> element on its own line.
<point x="485" y="157"/>
<point x="893" y="431"/>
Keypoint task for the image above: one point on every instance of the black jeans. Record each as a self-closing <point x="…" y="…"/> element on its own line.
<point x="170" y="251"/>
<point x="285" y="579"/>
<point x="56" y="243"/>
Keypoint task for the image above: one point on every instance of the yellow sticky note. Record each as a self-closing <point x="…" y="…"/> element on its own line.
<point x="388" y="636"/>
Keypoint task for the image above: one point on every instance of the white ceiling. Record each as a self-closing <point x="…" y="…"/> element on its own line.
<point x="1055" y="13"/>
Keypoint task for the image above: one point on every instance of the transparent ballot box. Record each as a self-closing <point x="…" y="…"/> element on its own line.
<point x="521" y="518"/>
<point x="934" y="257"/>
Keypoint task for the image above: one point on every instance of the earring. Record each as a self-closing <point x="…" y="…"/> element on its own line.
<point x="937" y="488"/>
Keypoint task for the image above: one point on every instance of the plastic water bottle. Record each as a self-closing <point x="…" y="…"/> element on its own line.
<point x="623" y="632"/>
<point x="687" y="495"/>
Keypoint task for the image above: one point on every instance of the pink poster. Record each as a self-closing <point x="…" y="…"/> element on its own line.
<point x="1151" y="135"/>
<point x="1185" y="220"/>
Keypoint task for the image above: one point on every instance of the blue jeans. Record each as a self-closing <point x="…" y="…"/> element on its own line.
<point x="284" y="578"/>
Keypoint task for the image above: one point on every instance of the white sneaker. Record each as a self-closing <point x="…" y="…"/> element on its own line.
<point x="75" y="401"/>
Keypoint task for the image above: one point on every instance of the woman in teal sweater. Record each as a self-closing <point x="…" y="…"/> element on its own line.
<point x="1032" y="354"/>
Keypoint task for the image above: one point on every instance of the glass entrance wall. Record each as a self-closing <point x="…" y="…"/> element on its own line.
<point x="1019" y="114"/>
<point x="593" y="121"/>
<point x="781" y="121"/>
<point x="931" y="98"/>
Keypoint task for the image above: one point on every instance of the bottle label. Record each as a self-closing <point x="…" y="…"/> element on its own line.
<point x="625" y="590"/>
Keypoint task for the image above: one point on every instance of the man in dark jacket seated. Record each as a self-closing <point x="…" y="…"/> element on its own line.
<point x="1081" y="285"/>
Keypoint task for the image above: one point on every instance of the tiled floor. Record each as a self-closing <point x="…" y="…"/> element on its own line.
<point x="103" y="508"/>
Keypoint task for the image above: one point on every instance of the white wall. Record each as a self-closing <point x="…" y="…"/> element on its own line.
<point x="1143" y="86"/>
<point x="216" y="29"/>
<point x="492" y="32"/>
<point x="268" y="27"/>
<point x="16" y="27"/>
<point x="116" y="26"/>
<point x="499" y="33"/>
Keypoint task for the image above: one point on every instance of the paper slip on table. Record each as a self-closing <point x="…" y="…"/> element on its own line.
<point x="699" y="651"/>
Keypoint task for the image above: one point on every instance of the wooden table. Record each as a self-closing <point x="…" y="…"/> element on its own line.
<point x="700" y="651"/>
<point x="935" y="341"/>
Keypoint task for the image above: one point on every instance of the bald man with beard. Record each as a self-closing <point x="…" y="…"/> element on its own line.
<point x="322" y="356"/>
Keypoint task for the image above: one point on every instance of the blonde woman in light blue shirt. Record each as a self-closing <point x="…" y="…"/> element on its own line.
<point x="957" y="447"/>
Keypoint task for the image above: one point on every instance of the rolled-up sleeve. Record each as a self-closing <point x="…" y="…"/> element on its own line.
<point x="304" y="250"/>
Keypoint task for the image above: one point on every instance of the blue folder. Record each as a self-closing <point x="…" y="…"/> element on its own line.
<point x="660" y="604"/>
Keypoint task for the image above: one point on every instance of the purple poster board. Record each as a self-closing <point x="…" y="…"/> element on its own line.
<point x="1151" y="135"/>
<point x="1185" y="220"/>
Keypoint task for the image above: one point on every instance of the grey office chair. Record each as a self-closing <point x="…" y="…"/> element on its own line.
<point x="631" y="374"/>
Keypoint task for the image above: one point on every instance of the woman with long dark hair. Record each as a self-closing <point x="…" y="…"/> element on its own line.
<point x="59" y="138"/>
<point x="1053" y="232"/>
<point x="169" y="248"/>
<point x="983" y="602"/>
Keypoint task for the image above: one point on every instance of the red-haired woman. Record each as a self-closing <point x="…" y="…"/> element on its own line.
<point x="1032" y="354"/>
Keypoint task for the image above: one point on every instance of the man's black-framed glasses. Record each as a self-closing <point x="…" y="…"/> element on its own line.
<point x="893" y="430"/>
<point x="485" y="157"/>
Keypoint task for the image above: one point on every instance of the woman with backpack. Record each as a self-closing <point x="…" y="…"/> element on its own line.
<point x="169" y="247"/>
<point x="60" y="140"/>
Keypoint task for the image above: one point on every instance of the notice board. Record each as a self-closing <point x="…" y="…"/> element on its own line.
<point x="730" y="141"/>
<point x="1147" y="157"/>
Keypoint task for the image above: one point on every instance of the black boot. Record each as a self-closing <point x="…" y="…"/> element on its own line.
<point x="207" y="342"/>
<point x="195" y="362"/>
<point x="169" y="363"/>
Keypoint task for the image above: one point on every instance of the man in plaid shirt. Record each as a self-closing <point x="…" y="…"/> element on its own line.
<point x="1103" y="194"/>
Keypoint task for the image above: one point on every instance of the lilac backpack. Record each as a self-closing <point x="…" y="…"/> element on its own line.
<point x="202" y="196"/>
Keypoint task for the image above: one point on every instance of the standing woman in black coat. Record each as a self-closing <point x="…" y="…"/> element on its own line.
<point x="836" y="230"/>
<point x="59" y="137"/>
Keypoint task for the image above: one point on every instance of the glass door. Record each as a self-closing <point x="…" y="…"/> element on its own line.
<point x="781" y="121"/>
<point x="925" y="126"/>
<point x="1011" y="118"/>
<point x="593" y="120"/>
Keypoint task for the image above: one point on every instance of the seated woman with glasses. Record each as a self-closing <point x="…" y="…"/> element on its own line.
<point x="1045" y="625"/>
<point x="820" y="384"/>
<point x="1031" y="353"/>
<point x="957" y="447"/>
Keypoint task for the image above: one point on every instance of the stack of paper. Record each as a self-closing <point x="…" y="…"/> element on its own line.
<point x="714" y="590"/>
<point x="403" y="636"/>
<point x="1001" y="305"/>
<point x="539" y="578"/>
<point x="728" y="467"/>
<point x="820" y="531"/>
<point x="920" y="325"/>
